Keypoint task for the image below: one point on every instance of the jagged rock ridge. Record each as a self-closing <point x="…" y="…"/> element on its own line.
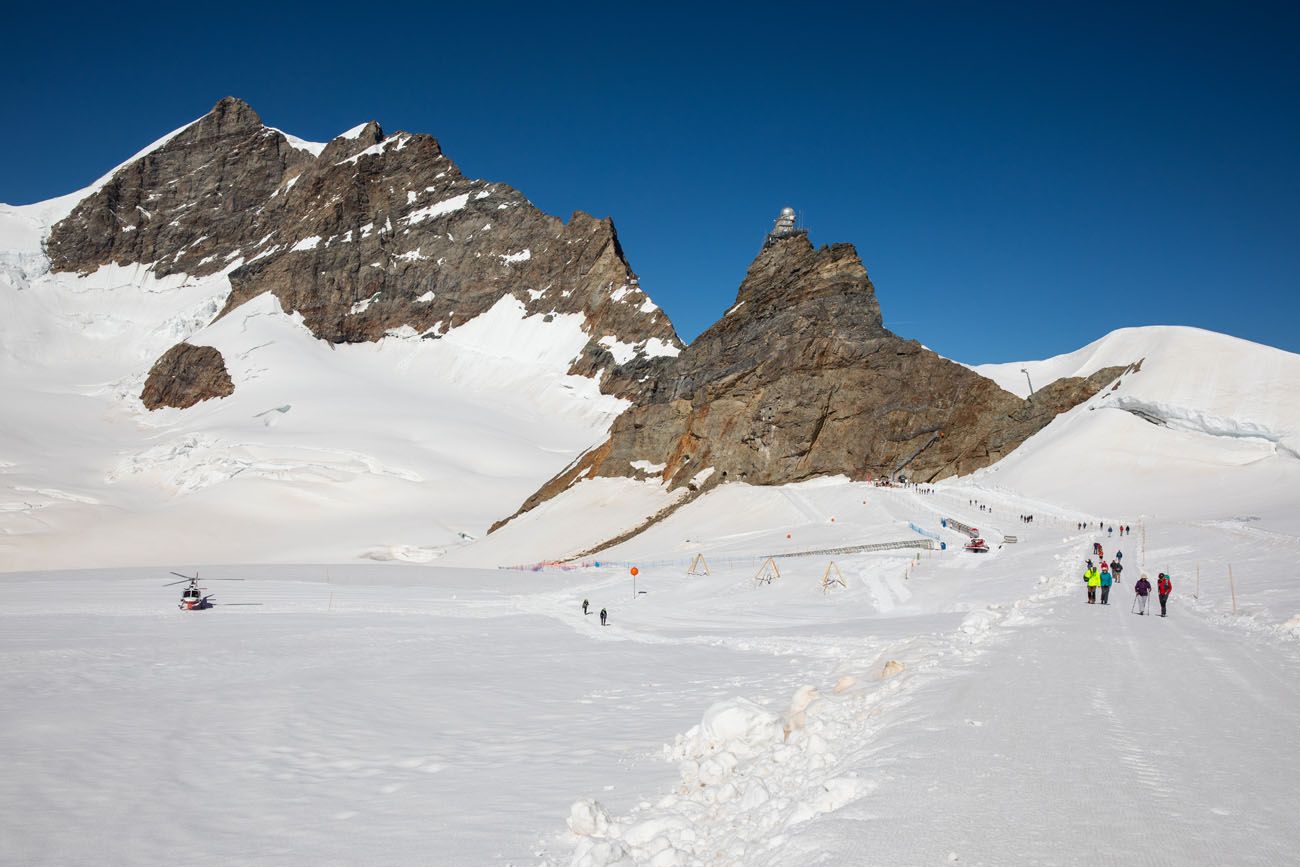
<point x="801" y="378"/>
<point x="372" y="235"/>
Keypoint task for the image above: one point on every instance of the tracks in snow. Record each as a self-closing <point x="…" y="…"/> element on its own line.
<point x="749" y="778"/>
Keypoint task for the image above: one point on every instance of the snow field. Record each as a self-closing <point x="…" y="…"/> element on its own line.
<point x="440" y="438"/>
<point x="408" y="713"/>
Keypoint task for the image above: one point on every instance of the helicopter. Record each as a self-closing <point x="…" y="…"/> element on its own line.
<point x="192" y="598"/>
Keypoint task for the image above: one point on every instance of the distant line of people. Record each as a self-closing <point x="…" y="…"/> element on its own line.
<point x="1124" y="529"/>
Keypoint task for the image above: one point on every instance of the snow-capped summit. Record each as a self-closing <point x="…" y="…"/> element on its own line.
<point x="366" y="340"/>
<point x="370" y="234"/>
<point x="1205" y="420"/>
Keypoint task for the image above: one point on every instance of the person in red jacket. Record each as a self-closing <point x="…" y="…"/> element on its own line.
<point x="1164" y="586"/>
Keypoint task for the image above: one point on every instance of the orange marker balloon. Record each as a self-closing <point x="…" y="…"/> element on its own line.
<point x="635" y="571"/>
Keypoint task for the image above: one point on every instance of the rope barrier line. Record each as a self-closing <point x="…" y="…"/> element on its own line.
<point x="685" y="562"/>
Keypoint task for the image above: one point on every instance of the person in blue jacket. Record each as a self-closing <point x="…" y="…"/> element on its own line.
<point x="1106" y="581"/>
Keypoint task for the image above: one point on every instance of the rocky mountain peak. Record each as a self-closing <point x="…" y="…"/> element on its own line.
<point x="370" y="235"/>
<point x="800" y="379"/>
<point x="180" y="205"/>
<point x="229" y="116"/>
<point x="789" y="271"/>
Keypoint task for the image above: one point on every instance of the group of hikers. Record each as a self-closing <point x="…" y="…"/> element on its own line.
<point x="1026" y="519"/>
<point x="1107" y="574"/>
<point x="604" y="615"/>
<point x="914" y="487"/>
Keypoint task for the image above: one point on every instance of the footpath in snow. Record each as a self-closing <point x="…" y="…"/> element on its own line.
<point x="1041" y="731"/>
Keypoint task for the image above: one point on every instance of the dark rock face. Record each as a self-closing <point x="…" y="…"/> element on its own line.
<point x="374" y="234"/>
<point x="186" y="375"/>
<point x="186" y="204"/>
<point x="800" y="378"/>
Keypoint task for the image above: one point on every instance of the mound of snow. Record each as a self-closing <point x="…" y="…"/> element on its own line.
<point x="1189" y="378"/>
<point x="732" y="729"/>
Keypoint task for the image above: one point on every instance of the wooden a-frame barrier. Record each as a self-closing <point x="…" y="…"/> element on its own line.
<point x="699" y="566"/>
<point x="767" y="573"/>
<point x="830" y="580"/>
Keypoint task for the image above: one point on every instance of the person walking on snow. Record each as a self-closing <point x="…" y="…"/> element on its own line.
<point x="1105" y="584"/>
<point x="1164" y="586"/>
<point x="1093" y="577"/>
<point x="1142" y="589"/>
<point x="1116" y="568"/>
<point x="585" y="603"/>
<point x="603" y="615"/>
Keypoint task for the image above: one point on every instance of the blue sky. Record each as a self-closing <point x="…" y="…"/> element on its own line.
<point x="1018" y="178"/>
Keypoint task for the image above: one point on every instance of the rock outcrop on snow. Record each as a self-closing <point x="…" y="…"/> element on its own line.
<point x="800" y="379"/>
<point x="186" y="375"/>
<point x="371" y="234"/>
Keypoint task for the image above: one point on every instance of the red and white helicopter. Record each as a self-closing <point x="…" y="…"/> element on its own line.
<point x="192" y="598"/>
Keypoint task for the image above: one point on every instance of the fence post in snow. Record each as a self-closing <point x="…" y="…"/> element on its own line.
<point x="1232" y="586"/>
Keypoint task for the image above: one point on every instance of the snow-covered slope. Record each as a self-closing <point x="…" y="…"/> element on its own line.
<point x="1193" y="378"/>
<point x="389" y="450"/>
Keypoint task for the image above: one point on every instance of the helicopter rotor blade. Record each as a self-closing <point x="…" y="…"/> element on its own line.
<point x="193" y="577"/>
